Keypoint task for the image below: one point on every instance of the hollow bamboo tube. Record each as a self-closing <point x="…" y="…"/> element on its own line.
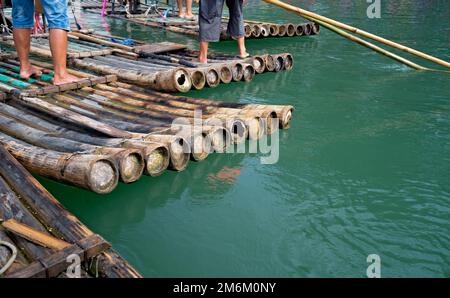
<point x="176" y="80"/>
<point x="265" y="30"/>
<point x="258" y="63"/>
<point x="248" y="72"/>
<point x="256" y="30"/>
<point x="247" y="30"/>
<point x="156" y="155"/>
<point x="93" y="172"/>
<point x="313" y="17"/>
<point x="282" y="30"/>
<point x="307" y="29"/>
<point x="274" y="29"/>
<point x="177" y="160"/>
<point x="130" y="161"/>
<point x="198" y="78"/>
<point x="299" y="30"/>
<point x="224" y="72"/>
<point x="290" y="30"/>
<point x="315" y="28"/>
<point x="51" y="213"/>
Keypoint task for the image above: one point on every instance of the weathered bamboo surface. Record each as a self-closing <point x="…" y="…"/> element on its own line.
<point x="152" y="17"/>
<point x="166" y="66"/>
<point x="173" y="68"/>
<point x="45" y="234"/>
<point x="95" y="135"/>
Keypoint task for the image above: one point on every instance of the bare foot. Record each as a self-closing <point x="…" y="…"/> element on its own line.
<point x="64" y="79"/>
<point x="245" y="55"/>
<point x="190" y="16"/>
<point x="27" y="72"/>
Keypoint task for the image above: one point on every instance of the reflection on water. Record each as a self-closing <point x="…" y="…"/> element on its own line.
<point x="364" y="168"/>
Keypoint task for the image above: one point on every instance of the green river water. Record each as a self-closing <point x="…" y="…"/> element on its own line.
<point x="364" y="168"/>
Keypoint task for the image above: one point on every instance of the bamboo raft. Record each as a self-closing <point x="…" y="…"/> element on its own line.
<point x="165" y="66"/>
<point x="99" y="131"/>
<point x="38" y="236"/>
<point x="152" y="17"/>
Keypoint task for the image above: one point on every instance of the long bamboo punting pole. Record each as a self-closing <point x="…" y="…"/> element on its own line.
<point x="371" y="46"/>
<point x="50" y="212"/>
<point x="179" y="154"/>
<point x="325" y="20"/>
<point x="93" y="172"/>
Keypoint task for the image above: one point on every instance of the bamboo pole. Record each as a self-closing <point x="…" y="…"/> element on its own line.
<point x="370" y="45"/>
<point x="324" y="20"/>
<point x="130" y="161"/>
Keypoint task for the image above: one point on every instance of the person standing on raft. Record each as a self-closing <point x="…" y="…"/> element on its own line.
<point x="210" y="19"/>
<point x="56" y="13"/>
<point x="188" y="15"/>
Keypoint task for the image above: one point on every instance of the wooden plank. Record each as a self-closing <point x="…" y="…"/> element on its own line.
<point x="33" y="235"/>
<point x="160" y="47"/>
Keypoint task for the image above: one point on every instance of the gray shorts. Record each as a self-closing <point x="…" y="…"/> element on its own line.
<point x="210" y="19"/>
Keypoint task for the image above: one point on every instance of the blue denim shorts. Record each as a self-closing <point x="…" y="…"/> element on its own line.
<point x="55" y="12"/>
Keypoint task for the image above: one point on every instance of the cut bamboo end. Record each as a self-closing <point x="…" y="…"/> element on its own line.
<point x="285" y="116"/>
<point x="247" y="30"/>
<point x="288" y="61"/>
<point x="282" y="30"/>
<point x="259" y="64"/>
<point x="270" y="63"/>
<point x="101" y="178"/>
<point x="212" y="77"/>
<point x="131" y="165"/>
<point x="279" y="63"/>
<point x="179" y="149"/>
<point x="290" y="30"/>
<point x="299" y="31"/>
<point x="182" y="80"/>
<point x="307" y="29"/>
<point x="237" y="70"/>
<point x="265" y="32"/>
<point x="256" y="31"/>
<point x="198" y="78"/>
<point x="274" y="30"/>
<point x="315" y="28"/>
<point x="157" y="161"/>
<point x="238" y="130"/>
<point x="156" y="155"/>
<point x="225" y="73"/>
<point x="248" y="73"/>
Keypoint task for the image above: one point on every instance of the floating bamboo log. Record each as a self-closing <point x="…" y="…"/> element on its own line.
<point x="156" y="154"/>
<point x="130" y="161"/>
<point x="94" y="172"/>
